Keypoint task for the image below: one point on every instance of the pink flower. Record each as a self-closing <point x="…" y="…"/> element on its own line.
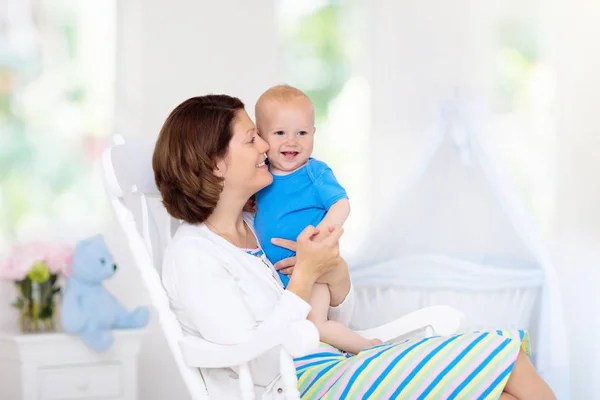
<point x="58" y="258"/>
<point x="18" y="264"/>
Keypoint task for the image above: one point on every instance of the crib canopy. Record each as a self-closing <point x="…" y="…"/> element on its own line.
<point x="458" y="203"/>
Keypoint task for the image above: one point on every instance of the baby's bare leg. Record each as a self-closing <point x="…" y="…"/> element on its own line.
<point x="333" y="332"/>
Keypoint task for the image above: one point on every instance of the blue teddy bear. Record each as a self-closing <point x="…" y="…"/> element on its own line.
<point x="88" y="309"/>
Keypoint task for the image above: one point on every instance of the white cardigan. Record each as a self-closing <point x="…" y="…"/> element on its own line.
<point x="220" y="293"/>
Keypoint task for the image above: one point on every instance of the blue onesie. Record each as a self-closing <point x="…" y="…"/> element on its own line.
<point x="291" y="203"/>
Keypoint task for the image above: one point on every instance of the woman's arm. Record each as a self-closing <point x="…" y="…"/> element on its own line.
<point x="209" y="300"/>
<point x="315" y="259"/>
<point x="337" y="278"/>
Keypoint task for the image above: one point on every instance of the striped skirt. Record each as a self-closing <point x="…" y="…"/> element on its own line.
<point x="466" y="366"/>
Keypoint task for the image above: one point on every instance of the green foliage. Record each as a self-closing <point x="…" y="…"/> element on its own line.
<point x="315" y="56"/>
<point x="37" y="303"/>
<point x="515" y="62"/>
<point x="47" y="109"/>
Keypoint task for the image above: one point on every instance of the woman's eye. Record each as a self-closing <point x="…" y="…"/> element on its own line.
<point x="252" y="140"/>
<point x="280" y="133"/>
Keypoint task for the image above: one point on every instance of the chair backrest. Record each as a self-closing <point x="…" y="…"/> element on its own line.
<point x="129" y="181"/>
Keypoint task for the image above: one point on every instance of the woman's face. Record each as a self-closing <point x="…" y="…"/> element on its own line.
<point x="244" y="168"/>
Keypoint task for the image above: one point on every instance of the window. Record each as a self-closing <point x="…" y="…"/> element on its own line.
<point x="323" y="55"/>
<point x="56" y="112"/>
<point x="522" y="100"/>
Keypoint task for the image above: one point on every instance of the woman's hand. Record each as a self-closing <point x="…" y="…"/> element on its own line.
<point x="337" y="277"/>
<point x="286" y="266"/>
<point x="313" y="258"/>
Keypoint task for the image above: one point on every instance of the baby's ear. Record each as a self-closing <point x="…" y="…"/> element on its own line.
<point x="314" y="130"/>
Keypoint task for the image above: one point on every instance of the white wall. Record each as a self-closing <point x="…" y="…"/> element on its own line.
<point x="576" y="55"/>
<point x="168" y="52"/>
<point x="421" y="53"/>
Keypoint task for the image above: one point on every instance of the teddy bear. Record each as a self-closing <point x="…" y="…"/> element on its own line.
<point x="88" y="309"/>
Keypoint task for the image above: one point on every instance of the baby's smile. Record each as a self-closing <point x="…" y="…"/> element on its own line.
<point x="290" y="155"/>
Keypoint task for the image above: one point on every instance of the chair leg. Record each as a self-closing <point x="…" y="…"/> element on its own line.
<point x="246" y="384"/>
<point x="288" y="376"/>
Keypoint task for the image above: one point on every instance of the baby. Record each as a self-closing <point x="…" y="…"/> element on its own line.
<point x="304" y="192"/>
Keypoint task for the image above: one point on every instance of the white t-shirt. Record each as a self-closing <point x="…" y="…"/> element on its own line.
<point x="222" y="294"/>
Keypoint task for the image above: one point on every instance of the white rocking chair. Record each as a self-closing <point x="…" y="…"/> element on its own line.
<point x="129" y="180"/>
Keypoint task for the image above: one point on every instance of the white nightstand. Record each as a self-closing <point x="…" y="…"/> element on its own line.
<point x="56" y="366"/>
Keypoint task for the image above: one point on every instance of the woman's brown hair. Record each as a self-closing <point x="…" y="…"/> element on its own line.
<point x="195" y="135"/>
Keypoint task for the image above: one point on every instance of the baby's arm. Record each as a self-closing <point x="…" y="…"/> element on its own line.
<point x="336" y="215"/>
<point x="332" y="196"/>
<point x="332" y="332"/>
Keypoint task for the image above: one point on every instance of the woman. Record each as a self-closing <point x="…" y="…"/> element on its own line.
<point x="208" y="161"/>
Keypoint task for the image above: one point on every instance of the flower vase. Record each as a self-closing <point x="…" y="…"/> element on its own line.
<point x="36" y="302"/>
<point x="35" y="269"/>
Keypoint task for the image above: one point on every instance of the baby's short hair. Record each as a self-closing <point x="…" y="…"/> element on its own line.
<point x="280" y="93"/>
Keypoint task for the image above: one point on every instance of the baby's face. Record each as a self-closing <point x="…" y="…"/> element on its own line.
<point x="289" y="128"/>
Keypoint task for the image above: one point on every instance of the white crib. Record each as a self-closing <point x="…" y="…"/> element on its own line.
<point x="456" y="233"/>
<point x="490" y="295"/>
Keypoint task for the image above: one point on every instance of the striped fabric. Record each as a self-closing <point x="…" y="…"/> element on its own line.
<point x="258" y="252"/>
<point x="467" y="366"/>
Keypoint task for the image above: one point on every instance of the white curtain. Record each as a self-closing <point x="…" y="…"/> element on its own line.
<point x="423" y="54"/>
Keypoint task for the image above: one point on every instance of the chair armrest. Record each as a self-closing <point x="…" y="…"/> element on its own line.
<point x="443" y="320"/>
<point x="297" y="338"/>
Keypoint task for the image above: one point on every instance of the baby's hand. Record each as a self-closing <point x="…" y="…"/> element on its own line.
<point x="322" y="235"/>
<point x="324" y="232"/>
